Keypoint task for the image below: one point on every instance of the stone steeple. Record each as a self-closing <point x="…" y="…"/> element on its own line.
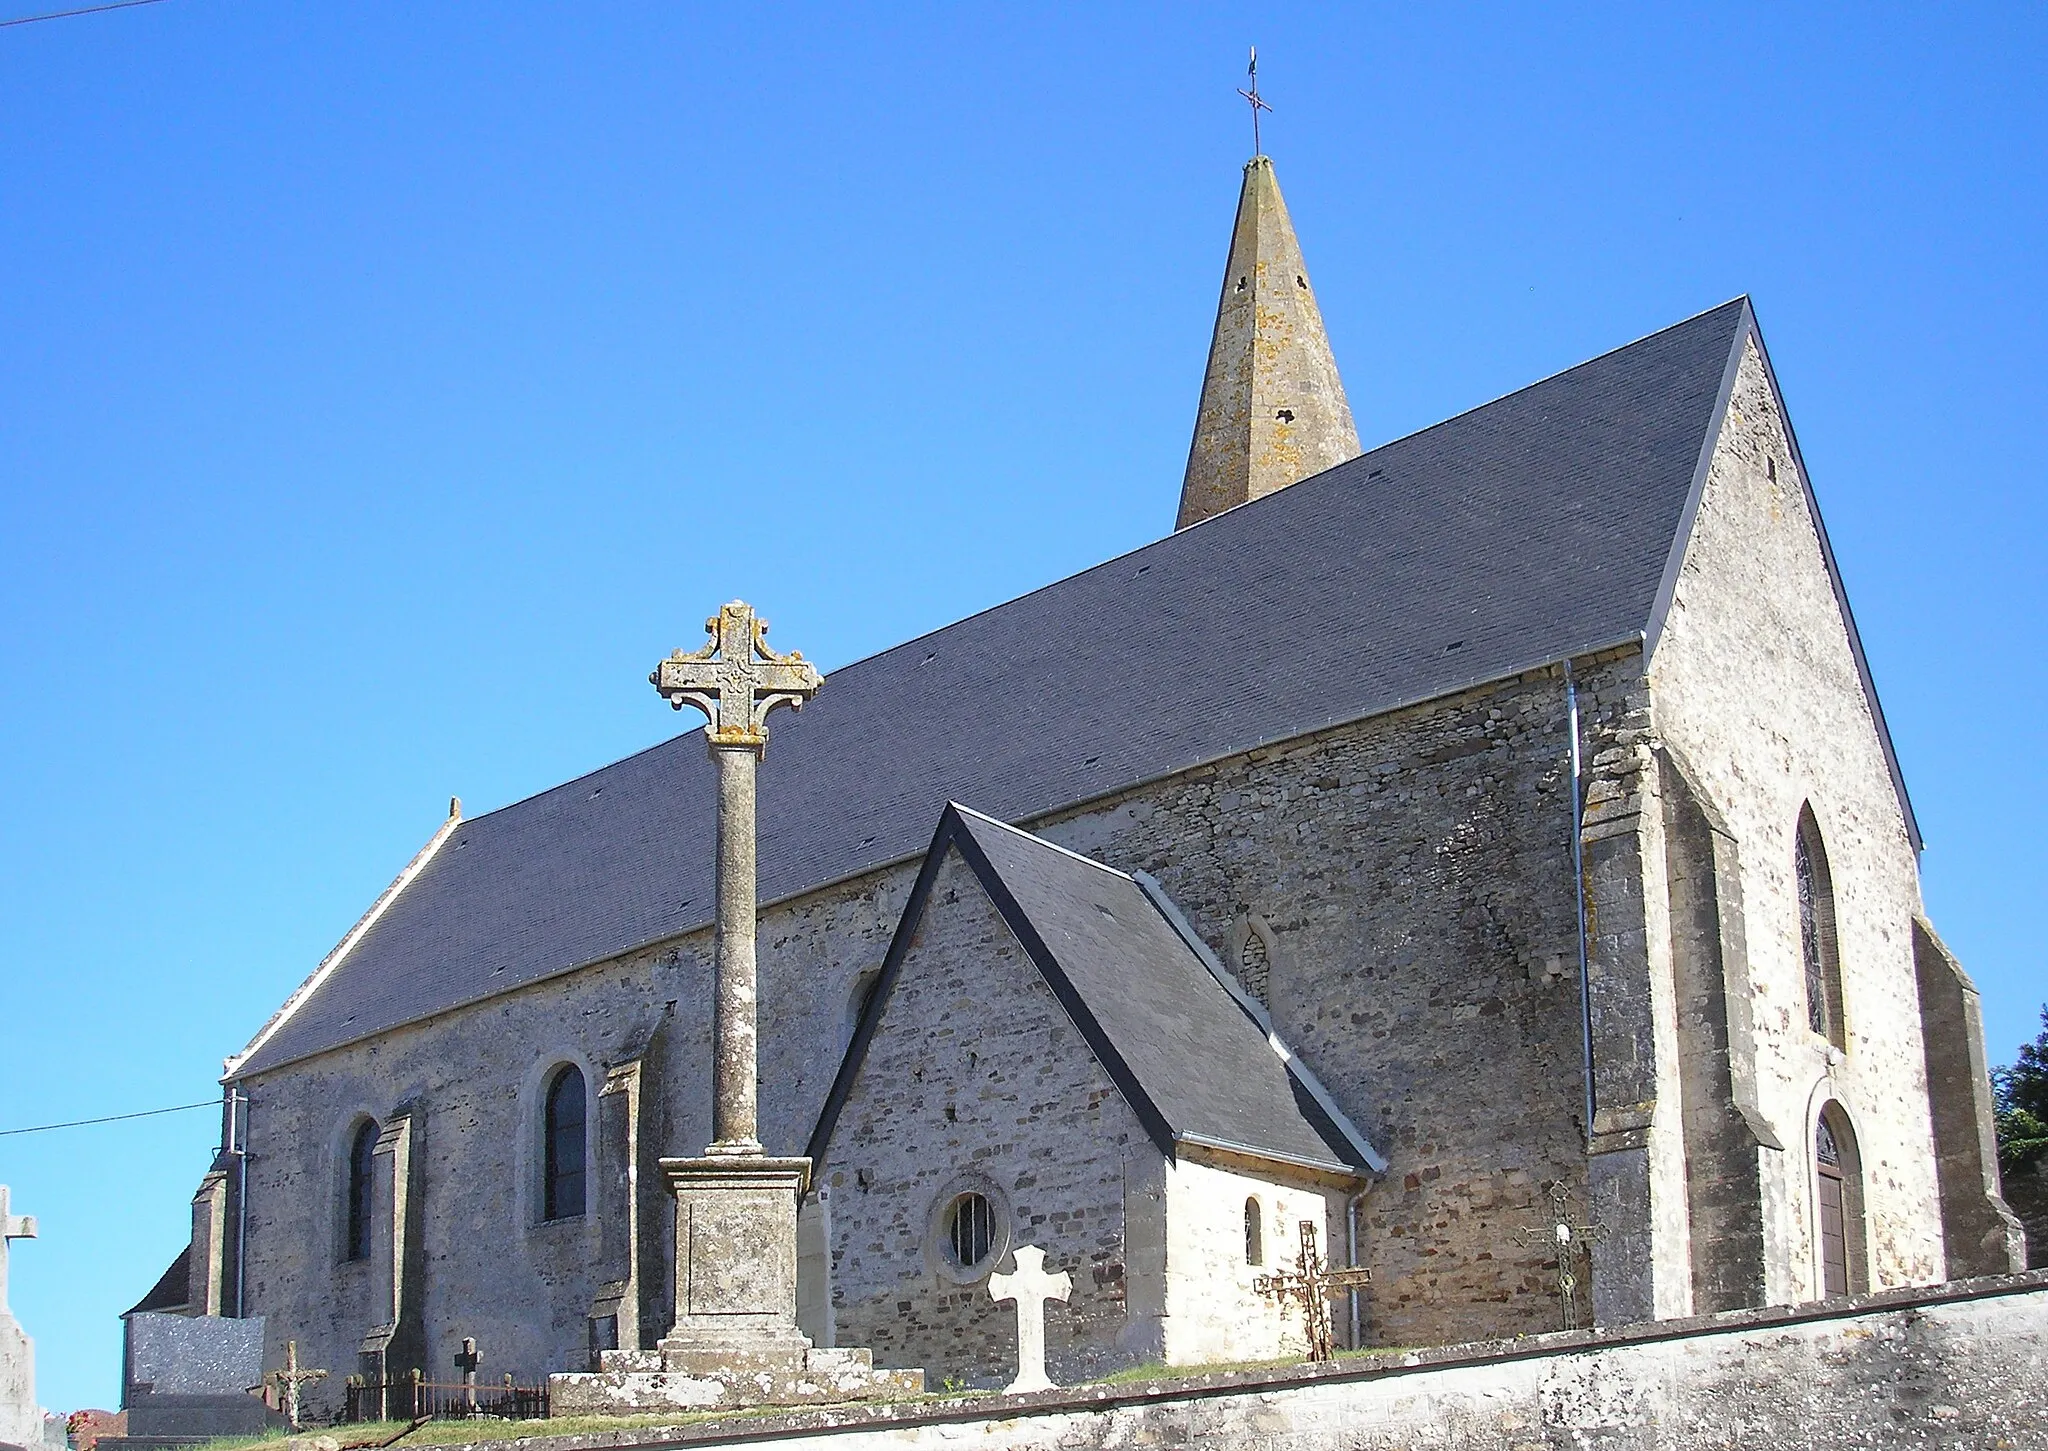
<point x="1273" y="409"/>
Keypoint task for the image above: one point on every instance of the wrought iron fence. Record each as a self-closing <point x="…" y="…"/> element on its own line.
<point x="416" y="1398"/>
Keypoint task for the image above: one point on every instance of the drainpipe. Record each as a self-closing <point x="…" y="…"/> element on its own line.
<point x="238" y="1119"/>
<point x="1351" y="1258"/>
<point x="1571" y="699"/>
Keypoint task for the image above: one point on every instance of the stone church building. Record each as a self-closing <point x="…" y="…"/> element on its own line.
<point x="1407" y="833"/>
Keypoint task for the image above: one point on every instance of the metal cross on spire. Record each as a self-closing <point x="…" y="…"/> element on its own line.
<point x="1258" y="102"/>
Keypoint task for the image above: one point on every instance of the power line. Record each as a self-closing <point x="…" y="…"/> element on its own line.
<point x="112" y="1118"/>
<point x="66" y="15"/>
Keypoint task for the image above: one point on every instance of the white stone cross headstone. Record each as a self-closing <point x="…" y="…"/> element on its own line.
<point x="12" y="1227"/>
<point x="1030" y="1287"/>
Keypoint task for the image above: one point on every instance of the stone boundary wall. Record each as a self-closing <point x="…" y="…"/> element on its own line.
<point x="1959" y="1365"/>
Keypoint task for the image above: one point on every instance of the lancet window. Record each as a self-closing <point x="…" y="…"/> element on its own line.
<point x="362" y="1178"/>
<point x="1818" y="949"/>
<point x="562" y="1145"/>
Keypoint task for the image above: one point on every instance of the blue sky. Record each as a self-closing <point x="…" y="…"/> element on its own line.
<point x="383" y="388"/>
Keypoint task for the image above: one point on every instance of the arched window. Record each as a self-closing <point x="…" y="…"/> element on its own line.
<point x="562" y="1146"/>
<point x="362" y="1179"/>
<point x="857" y="1000"/>
<point x="1838" y="1186"/>
<point x="1817" y="942"/>
<point x="1254" y="1234"/>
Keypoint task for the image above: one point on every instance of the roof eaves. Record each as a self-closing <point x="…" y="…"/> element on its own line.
<point x="1271" y="1156"/>
<point x="342" y="948"/>
<point x="1631" y="639"/>
<point x="1167" y="908"/>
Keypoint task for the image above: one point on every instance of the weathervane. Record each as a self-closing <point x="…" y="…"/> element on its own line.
<point x="1258" y="102"/>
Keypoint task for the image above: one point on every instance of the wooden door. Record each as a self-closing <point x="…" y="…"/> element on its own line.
<point x="1834" y="1239"/>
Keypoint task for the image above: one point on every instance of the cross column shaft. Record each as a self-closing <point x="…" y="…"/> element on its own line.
<point x="734" y="1072"/>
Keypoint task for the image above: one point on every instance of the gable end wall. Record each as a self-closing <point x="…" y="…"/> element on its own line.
<point x="1756" y="683"/>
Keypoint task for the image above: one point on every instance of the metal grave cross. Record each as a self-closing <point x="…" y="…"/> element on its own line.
<point x="467" y="1360"/>
<point x="1030" y="1287"/>
<point x="12" y="1227"/>
<point x="290" y="1379"/>
<point x="1313" y="1283"/>
<point x="1568" y="1241"/>
<point x="736" y="679"/>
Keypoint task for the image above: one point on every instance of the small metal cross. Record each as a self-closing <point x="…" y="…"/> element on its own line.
<point x="736" y="679"/>
<point x="1313" y="1283"/>
<point x="12" y="1227"/>
<point x="1258" y="102"/>
<point x="290" y="1379"/>
<point x="1568" y="1241"/>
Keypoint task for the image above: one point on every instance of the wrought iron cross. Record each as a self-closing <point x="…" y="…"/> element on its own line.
<point x="1568" y="1241"/>
<point x="736" y="679"/>
<point x="1313" y="1283"/>
<point x="290" y="1379"/>
<point x="1258" y="102"/>
<point x="12" y="1227"/>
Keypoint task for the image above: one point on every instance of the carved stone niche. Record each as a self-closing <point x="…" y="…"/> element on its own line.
<point x="1253" y="950"/>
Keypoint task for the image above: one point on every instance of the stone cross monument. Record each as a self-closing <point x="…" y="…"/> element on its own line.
<point x="1030" y="1287"/>
<point x="735" y="1206"/>
<point x="736" y="680"/>
<point x="21" y="1420"/>
<point x="735" y="1340"/>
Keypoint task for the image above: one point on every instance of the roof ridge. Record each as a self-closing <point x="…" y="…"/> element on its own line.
<point x="1037" y="840"/>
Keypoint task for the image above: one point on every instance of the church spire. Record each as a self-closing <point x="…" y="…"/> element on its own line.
<point x="1273" y="409"/>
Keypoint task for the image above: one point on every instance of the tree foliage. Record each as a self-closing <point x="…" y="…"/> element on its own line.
<point x="2021" y="1096"/>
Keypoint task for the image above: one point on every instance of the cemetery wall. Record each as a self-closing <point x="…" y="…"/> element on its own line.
<point x="1965" y="1366"/>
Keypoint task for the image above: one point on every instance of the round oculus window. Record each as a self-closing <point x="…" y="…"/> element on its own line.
<point x="968" y="1231"/>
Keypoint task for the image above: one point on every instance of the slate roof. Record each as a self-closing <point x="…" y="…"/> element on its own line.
<point x="1543" y="524"/>
<point x="172" y="1290"/>
<point x="1190" y="1057"/>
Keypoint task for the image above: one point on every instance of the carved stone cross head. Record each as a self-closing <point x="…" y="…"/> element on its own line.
<point x="12" y="1226"/>
<point x="736" y="679"/>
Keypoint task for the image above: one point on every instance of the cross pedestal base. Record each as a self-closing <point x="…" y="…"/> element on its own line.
<point x="735" y="1341"/>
